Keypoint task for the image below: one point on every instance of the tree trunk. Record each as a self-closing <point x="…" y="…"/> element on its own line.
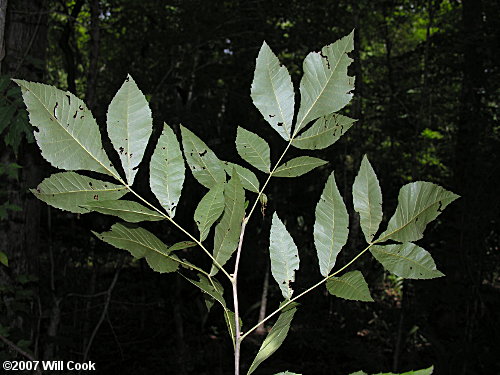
<point x="24" y="42"/>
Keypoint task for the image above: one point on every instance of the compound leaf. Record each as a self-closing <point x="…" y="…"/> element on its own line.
<point x="367" y="199"/>
<point x="141" y="244"/>
<point x="406" y="260"/>
<point x="67" y="133"/>
<point x="129" y="124"/>
<point x="331" y="226"/>
<point x="206" y="167"/>
<point x="351" y="286"/>
<point x="248" y="179"/>
<point x="69" y="191"/>
<point x="272" y="92"/>
<point x="227" y="232"/>
<point x="324" y="132"/>
<point x="253" y="149"/>
<point x="284" y="256"/>
<point x="298" y="166"/>
<point x="275" y="337"/>
<point x="209" y="210"/>
<point x="418" y="204"/>
<point x="167" y="170"/>
<point x="325" y="86"/>
<point x="130" y="211"/>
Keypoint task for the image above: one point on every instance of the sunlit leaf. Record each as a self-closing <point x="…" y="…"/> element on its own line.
<point x="406" y="260"/>
<point x="204" y="164"/>
<point x="272" y="92"/>
<point x="69" y="191"/>
<point x="253" y="149"/>
<point x="141" y="244"/>
<point x="130" y="211"/>
<point x="227" y="232"/>
<point x="209" y="210"/>
<point x="351" y="286"/>
<point x="418" y="204"/>
<point x="248" y="179"/>
<point x="129" y="126"/>
<point x="325" y="87"/>
<point x="167" y="171"/>
<point x="331" y="226"/>
<point x="324" y="132"/>
<point x="367" y="199"/>
<point x="275" y="337"/>
<point x="67" y="133"/>
<point x="284" y="256"/>
<point x="298" y="166"/>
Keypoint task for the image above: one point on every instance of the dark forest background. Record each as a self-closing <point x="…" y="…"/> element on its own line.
<point x="427" y="90"/>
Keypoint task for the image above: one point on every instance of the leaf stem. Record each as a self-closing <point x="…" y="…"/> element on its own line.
<point x="261" y="191"/>
<point x="322" y="281"/>
<point x="217" y="264"/>
<point x="234" y="279"/>
<point x="234" y="282"/>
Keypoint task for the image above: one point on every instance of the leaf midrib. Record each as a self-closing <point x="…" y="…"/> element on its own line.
<point x="322" y="89"/>
<point x="380" y="249"/>
<point x="285" y="124"/>
<point x="71" y="135"/>
<point x="409" y="221"/>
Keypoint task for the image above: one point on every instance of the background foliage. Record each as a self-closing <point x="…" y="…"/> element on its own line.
<point x="427" y="103"/>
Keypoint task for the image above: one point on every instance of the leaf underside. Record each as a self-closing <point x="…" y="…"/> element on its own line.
<point x="418" y="204"/>
<point x="204" y="164"/>
<point x="275" y="337"/>
<point x="367" y="199"/>
<point x="331" y="226"/>
<point x="227" y="231"/>
<point x="325" y="87"/>
<point x="406" y="260"/>
<point x="324" y="132"/>
<point x="284" y="256"/>
<point x="141" y="244"/>
<point x="69" y="191"/>
<point x="129" y="124"/>
<point x="298" y="166"/>
<point x="167" y="171"/>
<point x="272" y="92"/>
<point x="209" y="210"/>
<point x="67" y="133"/>
<point x="253" y="149"/>
<point x="248" y="179"/>
<point x="130" y="211"/>
<point x="351" y="286"/>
